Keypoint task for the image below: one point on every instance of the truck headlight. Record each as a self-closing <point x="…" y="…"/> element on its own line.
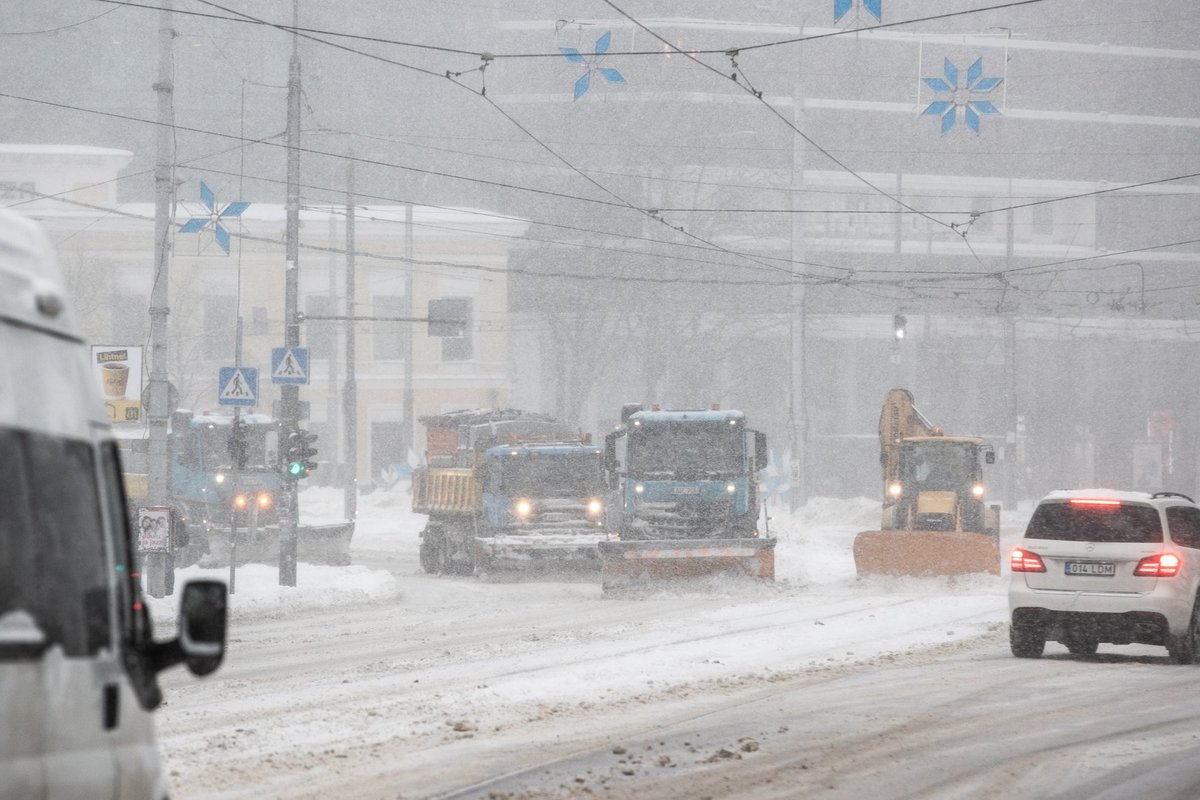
<point x="523" y="508"/>
<point x="594" y="507"/>
<point x="240" y="501"/>
<point x="895" y="489"/>
<point x="264" y="500"/>
<point x="977" y="490"/>
<point x="219" y="478"/>
<point x="638" y="488"/>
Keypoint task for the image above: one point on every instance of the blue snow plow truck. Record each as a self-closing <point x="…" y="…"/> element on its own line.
<point x="685" y="498"/>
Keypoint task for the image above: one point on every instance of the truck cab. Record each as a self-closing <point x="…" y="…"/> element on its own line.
<point x="940" y="485"/>
<point x="685" y="474"/>
<point x="542" y="487"/>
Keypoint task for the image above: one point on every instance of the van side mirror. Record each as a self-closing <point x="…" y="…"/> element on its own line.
<point x="989" y="457"/>
<point x="203" y="616"/>
<point x="761" y="456"/>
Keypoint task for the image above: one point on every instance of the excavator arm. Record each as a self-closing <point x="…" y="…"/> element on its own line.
<point x="899" y="419"/>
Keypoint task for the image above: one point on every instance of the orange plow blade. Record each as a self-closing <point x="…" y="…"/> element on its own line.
<point x="925" y="553"/>
<point x="629" y="563"/>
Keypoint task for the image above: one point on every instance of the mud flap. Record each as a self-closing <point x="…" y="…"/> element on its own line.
<point x="633" y="562"/>
<point x="925" y="553"/>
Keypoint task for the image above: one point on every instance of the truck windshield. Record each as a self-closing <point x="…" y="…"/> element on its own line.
<point x="52" y="554"/>
<point x="260" y="446"/>
<point x="548" y="476"/>
<point x="944" y="466"/>
<point x="710" y="449"/>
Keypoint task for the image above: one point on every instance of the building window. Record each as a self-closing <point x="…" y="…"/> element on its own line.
<point x="220" y="326"/>
<point x="319" y="334"/>
<point x="260" y="322"/>
<point x="459" y="348"/>
<point x="389" y="340"/>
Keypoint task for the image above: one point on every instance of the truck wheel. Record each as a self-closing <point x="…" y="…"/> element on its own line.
<point x="428" y="557"/>
<point x="462" y="562"/>
<point x="1184" y="649"/>
<point x="1082" y="645"/>
<point x="1026" y="641"/>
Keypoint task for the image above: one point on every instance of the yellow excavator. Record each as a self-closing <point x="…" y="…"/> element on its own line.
<point x="935" y="520"/>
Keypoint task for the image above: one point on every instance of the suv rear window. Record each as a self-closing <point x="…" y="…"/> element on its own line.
<point x="1081" y="523"/>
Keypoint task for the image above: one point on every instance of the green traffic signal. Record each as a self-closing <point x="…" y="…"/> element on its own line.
<point x="300" y="454"/>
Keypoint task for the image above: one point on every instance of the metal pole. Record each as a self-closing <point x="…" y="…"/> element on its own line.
<point x="234" y="472"/>
<point x="157" y="412"/>
<point x="409" y="413"/>
<point x="350" y="396"/>
<point x="289" y="395"/>
<point x="333" y="422"/>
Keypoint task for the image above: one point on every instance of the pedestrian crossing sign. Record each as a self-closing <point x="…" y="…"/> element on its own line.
<point x="237" y="386"/>
<point x="289" y="365"/>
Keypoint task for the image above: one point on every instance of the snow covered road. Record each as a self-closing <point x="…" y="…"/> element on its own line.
<point x="378" y="681"/>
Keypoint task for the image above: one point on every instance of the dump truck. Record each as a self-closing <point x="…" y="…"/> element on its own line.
<point x="508" y="491"/>
<point x="684" y="498"/>
<point x="935" y="520"/>
<point x="212" y="501"/>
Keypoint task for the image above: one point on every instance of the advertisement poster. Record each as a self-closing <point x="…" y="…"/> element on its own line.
<point x="118" y="371"/>
<point x="154" y="529"/>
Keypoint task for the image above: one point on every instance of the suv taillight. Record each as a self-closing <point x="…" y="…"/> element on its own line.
<point x="1025" y="561"/>
<point x="1163" y="565"/>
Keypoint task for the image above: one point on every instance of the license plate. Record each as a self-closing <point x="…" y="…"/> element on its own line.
<point x="686" y="490"/>
<point x="1102" y="568"/>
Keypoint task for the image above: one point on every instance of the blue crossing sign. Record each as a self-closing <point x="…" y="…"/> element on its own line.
<point x="237" y="386"/>
<point x="289" y="365"/>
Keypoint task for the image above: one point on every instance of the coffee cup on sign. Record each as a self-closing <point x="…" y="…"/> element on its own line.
<point x="116" y="378"/>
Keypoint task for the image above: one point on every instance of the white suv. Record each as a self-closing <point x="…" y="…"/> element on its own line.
<point x="1104" y="566"/>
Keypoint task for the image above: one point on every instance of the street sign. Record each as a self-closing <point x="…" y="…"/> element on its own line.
<point x="237" y="386"/>
<point x="289" y="365"/>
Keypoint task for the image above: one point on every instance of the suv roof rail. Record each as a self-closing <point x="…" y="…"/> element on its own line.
<point x="1171" y="494"/>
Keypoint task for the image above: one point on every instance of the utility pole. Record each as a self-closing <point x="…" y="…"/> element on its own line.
<point x="289" y="395"/>
<point x="157" y="565"/>
<point x="350" y="395"/>
<point x="797" y="416"/>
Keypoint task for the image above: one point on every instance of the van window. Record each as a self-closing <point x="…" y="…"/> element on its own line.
<point x="131" y="616"/>
<point x="1084" y="523"/>
<point x="52" y="540"/>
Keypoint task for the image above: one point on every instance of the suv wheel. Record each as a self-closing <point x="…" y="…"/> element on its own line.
<point x="1026" y="641"/>
<point x="1185" y="649"/>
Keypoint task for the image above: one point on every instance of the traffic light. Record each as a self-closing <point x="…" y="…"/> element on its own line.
<point x="300" y="454"/>
<point x="899" y="326"/>
<point x="238" y="444"/>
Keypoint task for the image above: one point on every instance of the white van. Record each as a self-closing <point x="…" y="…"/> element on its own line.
<point x="78" y="664"/>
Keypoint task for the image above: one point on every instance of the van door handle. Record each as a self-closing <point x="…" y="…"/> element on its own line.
<point x="112" y="706"/>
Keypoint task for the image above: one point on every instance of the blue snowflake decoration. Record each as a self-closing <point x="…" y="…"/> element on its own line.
<point x="961" y="96"/>
<point x="593" y="66"/>
<point x="214" y="218"/>
<point x="842" y="7"/>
